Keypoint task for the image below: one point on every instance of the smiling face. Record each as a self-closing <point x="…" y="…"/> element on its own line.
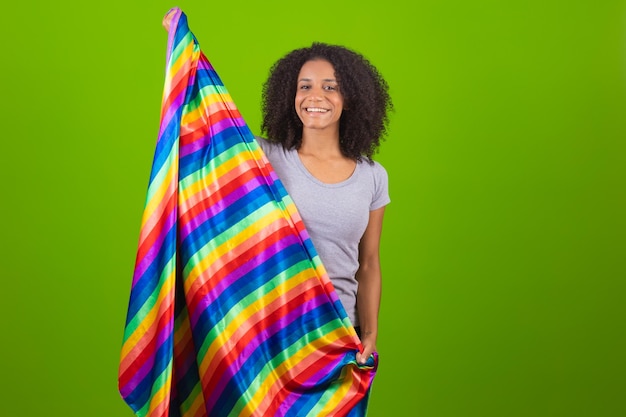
<point x="319" y="102"/>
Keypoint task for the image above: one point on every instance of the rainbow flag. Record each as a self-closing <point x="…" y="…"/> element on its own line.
<point x="231" y="312"/>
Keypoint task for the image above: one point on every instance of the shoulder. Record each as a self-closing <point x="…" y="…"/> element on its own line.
<point x="376" y="169"/>
<point x="379" y="181"/>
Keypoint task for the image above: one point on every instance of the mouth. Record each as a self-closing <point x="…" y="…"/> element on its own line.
<point x="316" y="110"/>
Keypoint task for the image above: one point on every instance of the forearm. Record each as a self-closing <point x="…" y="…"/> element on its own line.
<point x="368" y="300"/>
<point x="370" y="284"/>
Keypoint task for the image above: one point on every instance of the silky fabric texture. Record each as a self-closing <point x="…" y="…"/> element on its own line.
<point x="231" y="312"/>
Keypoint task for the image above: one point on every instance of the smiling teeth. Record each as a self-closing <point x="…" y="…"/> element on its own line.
<point x="316" y="109"/>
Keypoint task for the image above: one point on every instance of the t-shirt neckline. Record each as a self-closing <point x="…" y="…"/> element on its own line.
<point x="307" y="173"/>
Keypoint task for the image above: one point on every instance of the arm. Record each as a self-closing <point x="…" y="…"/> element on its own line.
<point x="369" y="278"/>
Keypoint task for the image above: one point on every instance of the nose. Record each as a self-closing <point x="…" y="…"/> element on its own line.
<point x="316" y="93"/>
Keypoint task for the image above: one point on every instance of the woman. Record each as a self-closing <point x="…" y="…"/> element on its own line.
<point x="325" y="111"/>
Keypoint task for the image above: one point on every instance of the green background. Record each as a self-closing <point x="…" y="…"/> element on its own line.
<point x="503" y="247"/>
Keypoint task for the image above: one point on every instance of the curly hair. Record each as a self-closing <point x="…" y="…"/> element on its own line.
<point x="363" y="122"/>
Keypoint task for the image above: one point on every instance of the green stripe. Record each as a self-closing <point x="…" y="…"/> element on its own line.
<point x="203" y="93"/>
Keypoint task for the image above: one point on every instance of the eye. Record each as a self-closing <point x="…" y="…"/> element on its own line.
<point x="304" y="87"/>
<point x="330" y="88"/>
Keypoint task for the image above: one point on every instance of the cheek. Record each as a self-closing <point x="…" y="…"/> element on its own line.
<point x="297" y="102"/>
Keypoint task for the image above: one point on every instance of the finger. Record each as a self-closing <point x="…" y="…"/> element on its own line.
<point x="363" y="356"/>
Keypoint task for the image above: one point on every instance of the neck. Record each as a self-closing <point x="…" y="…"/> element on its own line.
<point x="320" y="143"/>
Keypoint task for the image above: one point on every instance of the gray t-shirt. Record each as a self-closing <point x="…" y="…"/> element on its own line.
<point x="335" y="215"/>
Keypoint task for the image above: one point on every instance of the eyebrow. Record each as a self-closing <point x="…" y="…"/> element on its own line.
<point x="332" y="80"/>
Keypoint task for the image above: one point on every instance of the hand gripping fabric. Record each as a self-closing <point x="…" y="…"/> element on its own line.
<point x="231" y="312"/>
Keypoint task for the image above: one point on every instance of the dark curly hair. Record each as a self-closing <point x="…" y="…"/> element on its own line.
<point x="363" y="122"/>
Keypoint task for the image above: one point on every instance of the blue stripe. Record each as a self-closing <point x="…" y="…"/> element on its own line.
<point x="147" y="284"/>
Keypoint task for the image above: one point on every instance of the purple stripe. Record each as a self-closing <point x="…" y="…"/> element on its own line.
<point x="172" y="31"/>
<point x="273" y="176"/>
<point x="171" y="111"/>
<point x="310" y="305"/>
<point x="196" y="145"/>
<point x="204" y="64"/>
<point x="217" y="128"/>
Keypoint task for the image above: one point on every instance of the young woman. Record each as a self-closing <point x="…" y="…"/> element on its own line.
<point x="325" y="110"/>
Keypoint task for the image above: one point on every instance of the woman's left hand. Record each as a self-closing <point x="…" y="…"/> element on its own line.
<point x="369" y="347"/>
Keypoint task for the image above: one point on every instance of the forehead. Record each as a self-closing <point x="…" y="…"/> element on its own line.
<point x="317" y="68"/>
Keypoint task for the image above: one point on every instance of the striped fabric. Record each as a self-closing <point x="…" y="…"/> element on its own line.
<point x="231" y="312"/>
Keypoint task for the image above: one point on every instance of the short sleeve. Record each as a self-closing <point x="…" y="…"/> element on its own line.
<point x="381" y="187"/>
